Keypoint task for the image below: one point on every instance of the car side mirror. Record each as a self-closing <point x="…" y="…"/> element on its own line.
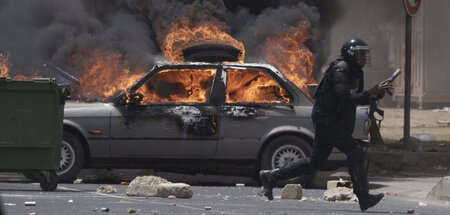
<point x="134" y="98"/>
<point x="124" y="99"/>
<point x="121" y="99"/>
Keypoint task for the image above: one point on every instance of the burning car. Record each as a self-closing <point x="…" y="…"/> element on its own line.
<point x="225" y="118"/>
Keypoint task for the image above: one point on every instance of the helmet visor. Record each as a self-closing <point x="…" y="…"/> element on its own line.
<point x="362" y="55"/>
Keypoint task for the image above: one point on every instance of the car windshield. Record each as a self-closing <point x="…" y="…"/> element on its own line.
<point x="178" y="86"/>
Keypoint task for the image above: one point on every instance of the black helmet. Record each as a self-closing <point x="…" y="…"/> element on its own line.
<point x="356" y="51"/>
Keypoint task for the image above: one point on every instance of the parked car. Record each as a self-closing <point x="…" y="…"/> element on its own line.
<point x="224" y="118"/>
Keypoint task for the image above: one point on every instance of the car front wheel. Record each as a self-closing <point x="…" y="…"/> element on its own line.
<point x="72" y="158"/>
<point x="283" y="151"/>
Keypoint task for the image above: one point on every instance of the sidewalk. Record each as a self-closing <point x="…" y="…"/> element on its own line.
<point x="432" y="124"/>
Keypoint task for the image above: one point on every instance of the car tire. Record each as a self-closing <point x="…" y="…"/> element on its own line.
<point x="72" y="158"/>
<point x="283" y="150"/>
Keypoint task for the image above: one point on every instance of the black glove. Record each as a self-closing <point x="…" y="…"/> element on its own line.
<point x="380" y="89"/>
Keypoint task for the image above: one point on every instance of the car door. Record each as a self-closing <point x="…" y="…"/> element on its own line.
<point x="173" y="119"/>
<point x="255" y="103"/>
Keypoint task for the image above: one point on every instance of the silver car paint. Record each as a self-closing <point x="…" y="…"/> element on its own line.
<point x="239" y="135"/>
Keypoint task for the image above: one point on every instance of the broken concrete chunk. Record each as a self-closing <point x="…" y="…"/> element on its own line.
<point x="78" y="181"/>
<point x="106" y="189"/>
<point x="179" y="190"/>
<point x="208" y="208"/>
<point x="131" y="210"/>
<point x="339" y="194"/>
<point x="104" y="209"/>
<point x="410" y="211"/>
<point x="339" y="183"/>
<point x="292" y="191"/>
<point x="322" y="177"/>
<point x="144" y="186"/>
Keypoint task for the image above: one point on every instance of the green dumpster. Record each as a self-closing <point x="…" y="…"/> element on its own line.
<point x="31" y="115"/>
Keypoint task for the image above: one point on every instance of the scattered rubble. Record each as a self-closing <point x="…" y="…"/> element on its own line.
<point x="444" y="109"/>
<point x="131" y="210"/>
<point x="106" y="189"/>
<point x="179" y="190"/>
<point x="322" y="177"/>
<point x="423" y="204"/>
<point x="144" y="186"/>
<point x="339" y="194"/>
<point x="304" y="199"/>
<point x="423" y="137"/>
<point x="292" y="191"/>
<point x="443" y="122"/>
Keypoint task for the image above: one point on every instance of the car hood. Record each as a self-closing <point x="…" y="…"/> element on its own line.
<point x="80" y="109"/>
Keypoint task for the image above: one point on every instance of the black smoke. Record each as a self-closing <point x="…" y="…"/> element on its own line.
<point x="65" y="33"/>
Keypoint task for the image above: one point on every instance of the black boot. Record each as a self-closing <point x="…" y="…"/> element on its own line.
<point x="356" y="167"/>
<point x="270" y="177"/>
<point x="268" y="180"/>
<point x="369" y="201"/>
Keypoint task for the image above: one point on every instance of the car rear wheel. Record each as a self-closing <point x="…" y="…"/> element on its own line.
<point x="72" y="158"/>
<point x="285" y="150"/>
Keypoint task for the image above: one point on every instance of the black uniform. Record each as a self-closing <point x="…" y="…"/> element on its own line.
<point x="333" y="116"/>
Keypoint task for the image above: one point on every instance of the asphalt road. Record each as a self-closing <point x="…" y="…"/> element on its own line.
<point x="83" y="199"/>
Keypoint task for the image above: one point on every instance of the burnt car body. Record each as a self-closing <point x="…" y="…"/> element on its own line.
<point x="226" y="128"/>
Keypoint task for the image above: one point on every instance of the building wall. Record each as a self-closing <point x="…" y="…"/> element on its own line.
<point x="381" y="23"/>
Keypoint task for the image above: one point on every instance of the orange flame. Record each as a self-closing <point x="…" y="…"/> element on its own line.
<point x="34" y="74"/>
<point x="287" y="51"/>
<point x="184" y="34"/>
<point x="105" y="74"/>
<point x="4" y="65"/>
<point x="253" y="86"/>
<point x="178" y="85"/>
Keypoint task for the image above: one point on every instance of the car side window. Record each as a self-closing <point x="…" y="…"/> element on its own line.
<point x="253" y="86"/>
<point x="178" y="86"/>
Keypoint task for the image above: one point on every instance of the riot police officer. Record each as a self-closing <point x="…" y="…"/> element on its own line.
<point x="333" y="116"/>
